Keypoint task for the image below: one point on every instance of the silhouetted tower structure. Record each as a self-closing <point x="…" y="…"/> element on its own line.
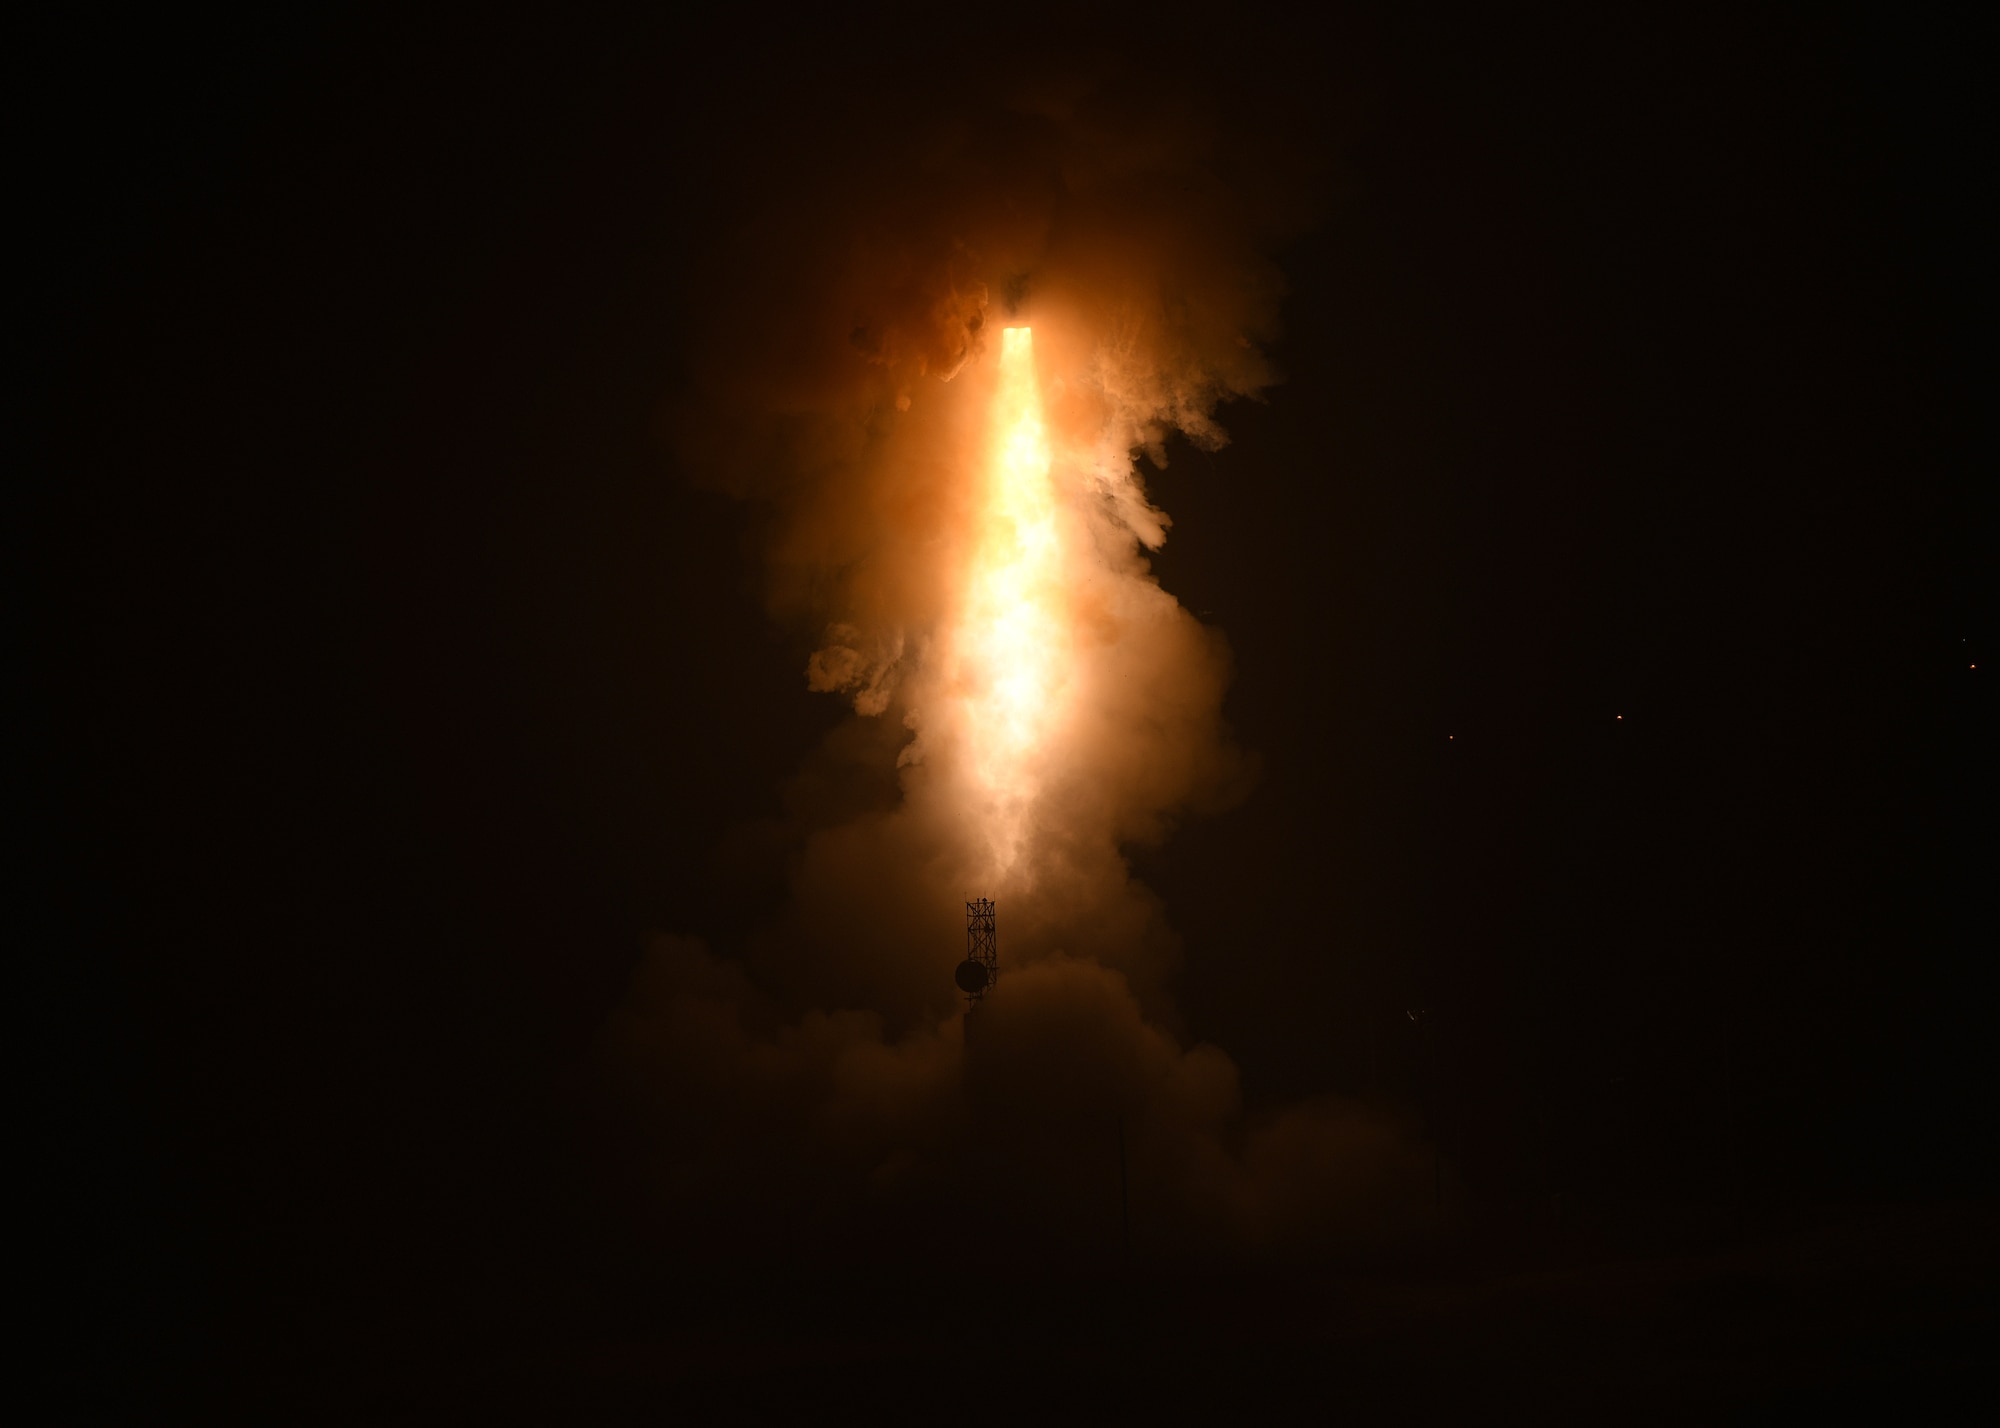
<point x="976" y="973"/>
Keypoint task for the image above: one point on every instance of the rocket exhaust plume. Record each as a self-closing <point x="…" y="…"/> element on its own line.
<point x="1008" y="649"/>
<point x="955" y="505"/>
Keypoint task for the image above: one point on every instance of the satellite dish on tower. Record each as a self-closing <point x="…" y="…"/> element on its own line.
<point x="976" y="974"/>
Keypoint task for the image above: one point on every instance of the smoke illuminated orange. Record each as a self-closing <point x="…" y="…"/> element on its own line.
<point x="1011" y="646"/>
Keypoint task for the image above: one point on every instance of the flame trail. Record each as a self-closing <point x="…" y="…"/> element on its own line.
<point x="1009" y="651"/>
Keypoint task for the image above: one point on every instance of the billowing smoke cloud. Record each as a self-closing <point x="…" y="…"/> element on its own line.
<point x="768" y="1131"/>
<point x="1028" y="702"/>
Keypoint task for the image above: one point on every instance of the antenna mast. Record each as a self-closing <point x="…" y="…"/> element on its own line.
<point x="975" y="975"/>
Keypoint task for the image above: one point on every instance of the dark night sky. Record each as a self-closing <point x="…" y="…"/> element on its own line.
<point x="396" y="689"/>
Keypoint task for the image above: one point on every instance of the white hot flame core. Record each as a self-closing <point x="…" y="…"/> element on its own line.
<point x="1012" y="644"/>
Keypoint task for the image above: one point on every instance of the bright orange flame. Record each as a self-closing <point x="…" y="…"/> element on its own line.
<point x="1012" y="643"/>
